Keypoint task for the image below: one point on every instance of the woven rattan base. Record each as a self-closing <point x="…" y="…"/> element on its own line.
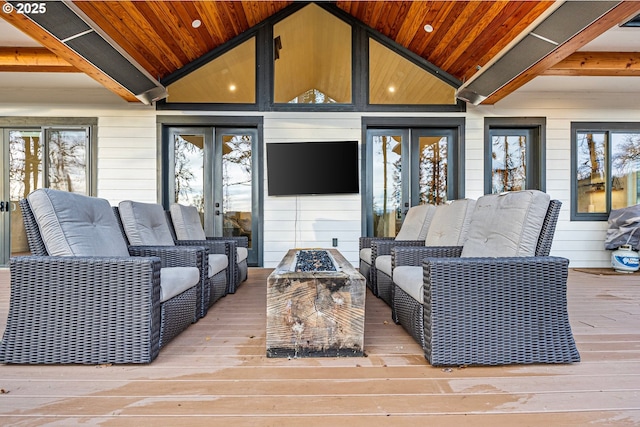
<point x="385" y="287"/>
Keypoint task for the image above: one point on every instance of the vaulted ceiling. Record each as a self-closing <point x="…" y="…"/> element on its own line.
<point x="467" y="37"/>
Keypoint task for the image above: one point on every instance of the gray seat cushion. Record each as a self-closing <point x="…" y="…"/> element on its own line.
<point x="410" y="279"/>
<point x="175" y="280"/>
<point x="241" y="254"/>
<point x="186" y="222"/>
<point x="506" y="225"/>
<point x="450" y="223"/>
<point x="75" y="225"/>
<point x="383" y="263"/>
<point x="145" y="224"/>
<point x="217" y="263"/>
<point x="416" y="223"/>
<point x="365" y="255"/>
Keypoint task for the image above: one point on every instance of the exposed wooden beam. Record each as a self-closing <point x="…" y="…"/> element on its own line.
<point x="33" y="59"/>
<point x="597" y="64"/>
<point x="27" y="26"/>
<point x="623" y="11"/>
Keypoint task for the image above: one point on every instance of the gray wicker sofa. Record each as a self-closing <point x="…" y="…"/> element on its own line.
<point x="186" y="229"/>
<point x="499" y="299"/>
<point x="82" y="298"/>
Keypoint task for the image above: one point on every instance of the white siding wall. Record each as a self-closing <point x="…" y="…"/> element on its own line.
<point x="127" y="156"/>
<point x="127" y="166"/>
<point x="311" y="221"/>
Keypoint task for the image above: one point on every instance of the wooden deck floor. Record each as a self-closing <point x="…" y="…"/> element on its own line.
<point x="216" y="373"/>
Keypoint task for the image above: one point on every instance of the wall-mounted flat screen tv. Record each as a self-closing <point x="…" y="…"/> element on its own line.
<point x="297" y="168"/>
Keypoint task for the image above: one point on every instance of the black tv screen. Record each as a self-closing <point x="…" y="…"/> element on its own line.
<point x="296" y="168"/>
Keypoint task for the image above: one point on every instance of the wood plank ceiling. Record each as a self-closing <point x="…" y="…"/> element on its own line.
<point x="466" y="35"/>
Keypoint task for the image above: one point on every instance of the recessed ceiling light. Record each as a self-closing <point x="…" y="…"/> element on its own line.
<point x="196" y="23"/>
<point x="232" y="87"/>
<point x="392" y="89"/>
<point x="428" y="28"/>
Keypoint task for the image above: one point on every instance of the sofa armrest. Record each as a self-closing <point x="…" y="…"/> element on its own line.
<point x="219" y="246"/>
<point x="366" y="241"/>
<point x="87" y="310"/>
<point x="174" y="256"/>
<point x="215" y="246"/>
<point x="495" y="311"/>
<point x="241" y="241"/>
<point x="384" y="247"/>
<point x="406" y="255"/>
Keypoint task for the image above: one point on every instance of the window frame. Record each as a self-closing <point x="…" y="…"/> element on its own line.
<point x="535" y="149"/>
<point x="359" y="71"/>
<point x="46" y="124"/>
<point x="604" y="127"/>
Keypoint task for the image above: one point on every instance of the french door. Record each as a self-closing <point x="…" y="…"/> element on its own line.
<point x="407" y="167"/>
<point x="215" y="170"/>
<point x="38" y="157"/>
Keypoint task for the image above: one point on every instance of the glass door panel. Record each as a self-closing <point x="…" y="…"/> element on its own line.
<point x="25" y="175"/>
<point x="390" y="201"/>
<point x="188" y="155"/>
<point x="236" y="185"/>
<point x="238" y="196"/>
<point x="432" y="168"/>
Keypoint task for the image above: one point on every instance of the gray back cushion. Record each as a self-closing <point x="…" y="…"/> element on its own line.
<point x="506" y="225"/>
<point x="416" y="223"/>
<point x="450" y="223"/>
<point x="186" y="222"/>
<point x="76" y="225"/>
<point x="145" y="224"/>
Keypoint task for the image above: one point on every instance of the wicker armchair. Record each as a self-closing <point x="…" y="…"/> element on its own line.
<point x="413" y="231"/>
<point x="94" y="309"/>
<point x="144" y="226"/>
<point x="486" y="310"/>
<point x="186" y="229"/>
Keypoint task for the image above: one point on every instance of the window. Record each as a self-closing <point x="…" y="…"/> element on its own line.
<point x="58" y="158"/>
<point x="230" y="78"/>
<point x="514" y="154"/>
<point x="396" y="80"/>
<point x="311" y="57"/>
<point x="605" y="166"/>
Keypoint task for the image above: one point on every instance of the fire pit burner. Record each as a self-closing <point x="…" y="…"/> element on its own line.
<point x="314" y="260"/>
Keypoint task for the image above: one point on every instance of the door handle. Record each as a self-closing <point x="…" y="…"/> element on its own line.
<point x="4" y="206"/>
<point x="1" y="206"/>
<point x="217" y="212"/>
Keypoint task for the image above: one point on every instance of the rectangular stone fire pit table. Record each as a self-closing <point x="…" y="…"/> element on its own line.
<point x="316" y="313"/>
